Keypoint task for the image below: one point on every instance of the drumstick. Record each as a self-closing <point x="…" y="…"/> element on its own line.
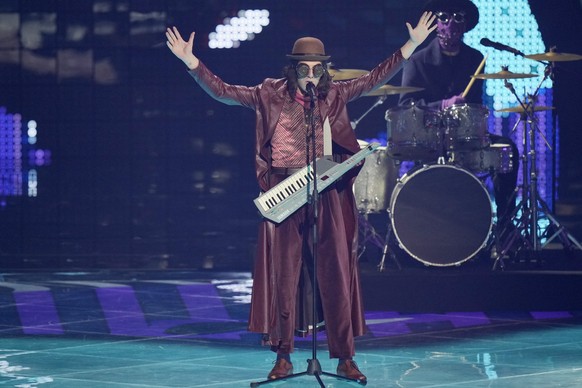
<point x="473" y="79"/>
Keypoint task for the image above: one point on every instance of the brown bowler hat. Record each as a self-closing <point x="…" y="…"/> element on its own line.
<point x="308" y="49"/>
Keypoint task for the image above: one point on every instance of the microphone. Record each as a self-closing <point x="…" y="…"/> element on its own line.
<point x="310" y="89"/>
<point x="501" y="46"/>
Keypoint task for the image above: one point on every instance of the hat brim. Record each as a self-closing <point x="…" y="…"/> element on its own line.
<point x="308" y="57"/>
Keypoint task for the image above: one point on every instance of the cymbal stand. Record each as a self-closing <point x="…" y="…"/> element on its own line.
<point x="525" y="232"/>
<point x="379" y="101"/>
<point x="369" y="235"/>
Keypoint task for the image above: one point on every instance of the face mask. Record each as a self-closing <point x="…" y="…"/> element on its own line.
<point x="450" y="30"/>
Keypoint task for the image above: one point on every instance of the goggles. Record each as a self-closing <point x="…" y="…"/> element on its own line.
<point x="303" y="70"/>
<point x="457" y="17"/>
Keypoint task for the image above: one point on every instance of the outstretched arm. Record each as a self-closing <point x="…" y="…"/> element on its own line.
<point x="182" y="49"/>
<point x="418" y="34"/>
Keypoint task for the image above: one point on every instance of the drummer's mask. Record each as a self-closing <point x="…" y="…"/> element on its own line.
<point x="450" y="29"/>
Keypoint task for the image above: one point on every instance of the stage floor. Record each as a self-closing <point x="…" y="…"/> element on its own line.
<point x="188" y="329"/>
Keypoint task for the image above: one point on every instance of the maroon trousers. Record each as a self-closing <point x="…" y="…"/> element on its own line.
<point x="278" y="266"/>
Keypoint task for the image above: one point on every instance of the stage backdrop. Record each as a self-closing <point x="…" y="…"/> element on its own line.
<point x="111" y="156"/>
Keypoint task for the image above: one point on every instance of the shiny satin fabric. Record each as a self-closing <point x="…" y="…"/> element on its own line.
<point x="280" y="308"/>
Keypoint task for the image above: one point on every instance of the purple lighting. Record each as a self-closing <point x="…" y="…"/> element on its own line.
<point x="38" y="313"/>
<point x="13" y="176"/>
<point x="10" y="154"/>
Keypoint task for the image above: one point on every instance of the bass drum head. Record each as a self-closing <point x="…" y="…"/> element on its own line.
<point x="441" y="214"/>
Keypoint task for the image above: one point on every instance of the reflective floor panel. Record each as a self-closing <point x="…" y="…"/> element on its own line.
<point x="188" y="329"/>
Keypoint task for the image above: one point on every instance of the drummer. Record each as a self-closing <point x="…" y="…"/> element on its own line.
<point x="444" y="68"/>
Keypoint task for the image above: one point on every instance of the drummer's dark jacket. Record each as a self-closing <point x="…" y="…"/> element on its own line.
<point x="441" y="76"/>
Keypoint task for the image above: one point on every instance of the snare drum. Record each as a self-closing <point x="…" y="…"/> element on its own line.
<point x="495" y="158"/>
<point x="441" y="214"/>
<point x="466" y="127"/>
<point x="414" y="133"/>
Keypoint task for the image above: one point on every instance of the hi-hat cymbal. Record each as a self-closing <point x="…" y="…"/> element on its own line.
<point x="389" y="90"/>
<point x="343" y="74"/>
<point x="554" y="57"/>
<point x="504" y="74"/>
<point x="519" y="109"/>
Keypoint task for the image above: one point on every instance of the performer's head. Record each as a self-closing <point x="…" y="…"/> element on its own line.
<point x="308" y="64"/>
<point x="454" y="18"/>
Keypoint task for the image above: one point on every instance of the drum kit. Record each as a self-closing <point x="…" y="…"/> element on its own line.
<point x="452" y="153"/>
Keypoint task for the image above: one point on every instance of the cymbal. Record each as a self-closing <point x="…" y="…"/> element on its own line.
<point x="519" y="109"/>
<point x="504" y="74"/>
<point x="554" y="57"/>
<point x="389" y="90"/>
<point x="343" y="74"/>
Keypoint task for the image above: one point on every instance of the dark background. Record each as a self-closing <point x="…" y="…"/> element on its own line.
<point x="146" y="171"/>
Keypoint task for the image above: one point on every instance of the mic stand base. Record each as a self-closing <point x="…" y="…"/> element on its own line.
<point x="313" y="369"/>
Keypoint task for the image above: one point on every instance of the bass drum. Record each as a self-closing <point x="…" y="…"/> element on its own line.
<point x="441" y="214"/>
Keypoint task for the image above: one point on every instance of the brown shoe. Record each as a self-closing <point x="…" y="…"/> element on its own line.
<point x="349" y="369"/>
<point x="282" y="368"/>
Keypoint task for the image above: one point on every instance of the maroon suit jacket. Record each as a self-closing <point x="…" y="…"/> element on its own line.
<point x="338" y="230"/>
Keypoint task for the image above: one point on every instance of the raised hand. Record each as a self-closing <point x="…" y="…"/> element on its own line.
<point x="424" y="27"/>
<point x="182" y="49"/>
<point x="418" y="34"/>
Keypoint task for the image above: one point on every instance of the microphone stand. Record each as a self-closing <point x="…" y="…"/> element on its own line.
<point x="313" y="364"/>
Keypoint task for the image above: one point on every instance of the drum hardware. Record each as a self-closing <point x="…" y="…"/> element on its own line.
<point x="523" y="231"/>
<point x="387" y="251"/>
<point x="378" y="102"/>
<point x="383" y="92"/>
<point x="369" y="235"/>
